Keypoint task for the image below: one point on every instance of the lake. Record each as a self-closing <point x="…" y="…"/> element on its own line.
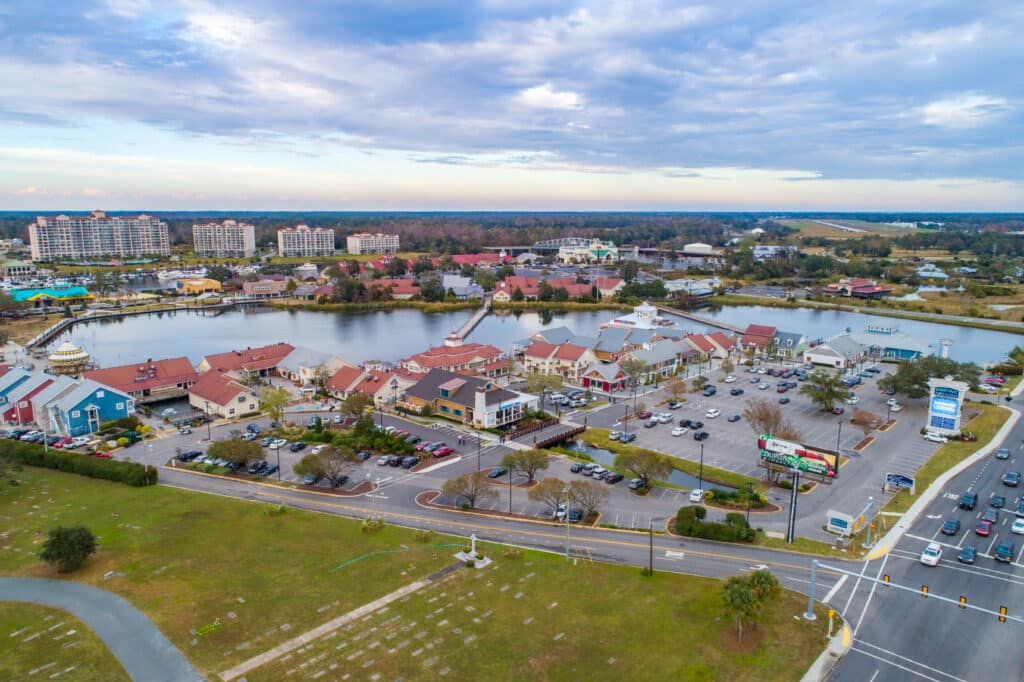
<point x="394" y="334"/>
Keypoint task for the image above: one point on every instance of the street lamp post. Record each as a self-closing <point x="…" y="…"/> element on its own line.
<point x="625" y="418"/>
<point x="750" y="494"/>
<point x="208" y="436"/>
<point x="839" y="435"/>
<point x="888" y="412"/>
<point x="700" y="471"/>
<point x="394" y="394"/>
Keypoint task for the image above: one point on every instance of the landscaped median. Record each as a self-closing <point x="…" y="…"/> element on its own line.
<point x="985" y="426"/>
<point x="229" y="579"/>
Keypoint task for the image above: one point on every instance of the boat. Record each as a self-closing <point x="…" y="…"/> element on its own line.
<point x="169" y="274"/>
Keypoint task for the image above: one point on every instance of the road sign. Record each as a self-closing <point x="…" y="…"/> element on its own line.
<point x="840" y="523"/>
<point x="894" y="481"/>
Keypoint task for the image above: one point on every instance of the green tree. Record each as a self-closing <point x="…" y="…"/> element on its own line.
<point x="310" y="465"/>
<point x="536" y="382"/>
<point x="517" y="295"/>
<point x="911" y="378"/>
<point x="473" y="487"/>
<point x="220" y="273"/>
<point x="291" y="286"/>
<point x="273" y="402"/>
<point x="628" y="270"/>
<point x="526" y="462"/>
<point x="766" y="586"/>
<point x="740" y="602"/>
<point x="67" y="547"/>
<point x="825" y="389"/>
<point x="355" y="404"/>
<point x="105" y="282"/>
<point x="633" y="369"/>
<point x="235" y="450"/>
<point x="646" y="465"/>
<point x="396" y="268"/>
<point x="727" y="366"/>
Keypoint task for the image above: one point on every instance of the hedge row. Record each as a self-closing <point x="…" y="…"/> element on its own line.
<point x="736" y="498"/>
<point x="32" y="454"/>
<point x="689" y="522"/>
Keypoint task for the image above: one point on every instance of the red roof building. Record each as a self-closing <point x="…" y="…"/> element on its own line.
<point x="504" y="290"/>
<point x="574" y="288"/>
<point x="464" y="358"/>
<point x="149" y="381"/>
<point x="757" y="336"/>
<point x="344" y="381"/>
<point x="723" y="341"/>
<point x="701" y="343"/>
<point x="402" y="288"/>
<point x="220" y="393"/>
<point x="263" y="360"/>
<point x="566" y="360"/>
<point x="477" y="258"/>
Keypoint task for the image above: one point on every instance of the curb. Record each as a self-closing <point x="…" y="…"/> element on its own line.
<point x="825" y="663"/>
<point x="928" y="496"/>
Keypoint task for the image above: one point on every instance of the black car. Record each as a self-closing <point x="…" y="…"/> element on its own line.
<point x="968" y="500"/>
<point x="735" y="418"/>
<point x="297" y="446"/>
<point x="966" y="555"/>
<point x="783" y="401"/>
<point x="412" y="440"/>
<point x="394" y="461"/>
<point x="256" y="466"/>
<point x="254" y="428"/>
<point x="951" y="527"/>
<point x="272" y="469"/>
<point x="997" y="502"/>
<point x="497" y="472"/>
<point x="363" y="455"/>
<point x="410" y="461"/>
<point x="188" y="455"/>
<point x="577" y="467"/>
<point x="311" y="479"/>
<point x="613" y="477"/>
<point x="701" y="435"/>
<point x="1004" y="552"/>
<point x="736" y="391"/>
<point x="342" y="479"/>
<point x="1011" y="478"/>
<point x="694" y="424"/>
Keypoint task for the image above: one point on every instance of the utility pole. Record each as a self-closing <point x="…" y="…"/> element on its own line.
<point x="750" y="493"/>
<point x="700" y="472"/>
<point x="810" y="594"/>
<point x="650" y="554"/>
<point x="791" y="526"/>
<point x="209" y="437"/>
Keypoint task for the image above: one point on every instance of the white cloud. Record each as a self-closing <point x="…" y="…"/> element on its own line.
<point x="964" y="111"/>
<point x="546" y="97"/>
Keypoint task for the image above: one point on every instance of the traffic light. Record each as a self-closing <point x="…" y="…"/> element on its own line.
<point x="885" y="578"/>
<point x="924" y="591"/>
<point x="963" y="602"/>
<point x="1002" y="614"/>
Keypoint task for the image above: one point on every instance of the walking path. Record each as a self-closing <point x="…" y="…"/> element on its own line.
<point x="319" y="631"/>
<point x="140" y="647"/>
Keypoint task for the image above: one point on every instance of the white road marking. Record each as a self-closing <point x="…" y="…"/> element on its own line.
<point x="669" y="554"/>
<point x="838" y="586"/>
<point x="895" y="665"/>
<point x="911" y="660"/>
<point x="871" y="594"/>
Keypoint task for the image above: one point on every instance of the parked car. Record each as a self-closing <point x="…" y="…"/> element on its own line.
<point x="394" y="460"/>
<point x="838" y="410"/>
<point x="783" y="400"/>
<point x="730" y="379"/>
<point x="636" y="483"/>
<point x="1017" y="527"/>
<point x="576" y="467"/>
<point x="497" y="472"/>
<point x="679" y="431"/>
<point x="104" y="454"/>
<point x="317" y="449"/>
<point x="185" y="430"/>
<point x="762" y="386"/>
<point x="613" y="477"/>
<point x="968" y="436"/>
<point x="696" y="496"/>
<point x="966" y="555"/>
<point x="651" y="423"/>
<point x="709" y="391"/>
<point x="852" y="400"/>
<point x="990" y="515"/>
<point x="443" y="451"/>
<point x="363" y="455"/>
<point x="950" y="527"/>
<point x="79" y="441"/>
<point x="420" y="447"/>
<point x="627" y="437"/>
<point x="735" y="418"/>
<point x="674" y="405"/>
<point x="278" y="444"/>
<point x="736" y="391"/>
<point x="614" y="435"/>
<point x="931" y="554"/>
<point x="410" y="461"/>
<point x="643" y="415"/>
<point x="272" y="469"/>
<point x="700" y="435"/>
<point x="693" y="423"/>
<point x="383" y="460"/>
<point x="1004" y="552"/>
<point x="663" y="417"/>
<point x="297" y="446"/>
<point x="968" y="501"/>
<point x="311" y="479"/>
<point x="254" y="428"/>
<point x="264" y="442"/>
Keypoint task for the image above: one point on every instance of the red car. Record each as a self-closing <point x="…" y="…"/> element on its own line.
<point x="62" y="442"/>
<point x="643" y="415"/>
<point x="423" y="446"/>
<point x="984" y="529"/>
<point x="103" y="453"/>
<point x="837" y="410"/>
<point x="444" y="452"/>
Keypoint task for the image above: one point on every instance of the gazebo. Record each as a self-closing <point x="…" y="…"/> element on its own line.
<point x="68" y="359"/>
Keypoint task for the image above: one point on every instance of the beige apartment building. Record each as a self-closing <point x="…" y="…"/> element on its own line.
<point x="97" y="235"/>
<point x="364" y="242"/>
<point x="304" y="241"/>
<point x="229" y="239"/>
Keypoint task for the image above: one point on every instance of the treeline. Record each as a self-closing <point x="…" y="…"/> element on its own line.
<point x="130" y="473"/>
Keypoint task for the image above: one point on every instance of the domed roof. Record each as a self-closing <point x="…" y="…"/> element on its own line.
<point x="68" y="352"/>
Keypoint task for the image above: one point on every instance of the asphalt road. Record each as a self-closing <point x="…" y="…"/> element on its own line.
<point x="140" y="647"/>
<point x="901" y="635"/>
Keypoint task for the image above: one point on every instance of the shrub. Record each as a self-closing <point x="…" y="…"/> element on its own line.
<point x="689" y="523"/>
<point x="130" y="473"/>
<point x="68" y="547"/>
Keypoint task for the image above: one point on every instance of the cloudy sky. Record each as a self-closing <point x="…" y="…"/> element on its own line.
<point x="511" y="105"/>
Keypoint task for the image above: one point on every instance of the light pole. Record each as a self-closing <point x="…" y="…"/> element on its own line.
<point x="750" y="493"/>
<point x="700" y="472"/>
<point x="509" y="488"/>
<point x="838" y="436"/>
<point x="208" y="436"/>
<point x="888" y="412"/>
<point x="625" y="418"/>
<point x="394" y="394"/>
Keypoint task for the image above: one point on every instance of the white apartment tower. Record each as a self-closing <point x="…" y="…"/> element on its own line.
<point x="364" y="242"/>
<point x="305" y="241"/>
<point x="97" y="234"/>
<point x="229" y="239"/>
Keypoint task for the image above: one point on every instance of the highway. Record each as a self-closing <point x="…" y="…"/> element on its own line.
<point x="901" y="635"/>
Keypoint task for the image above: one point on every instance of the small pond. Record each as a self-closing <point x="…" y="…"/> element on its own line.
<point x="607" y="458"/>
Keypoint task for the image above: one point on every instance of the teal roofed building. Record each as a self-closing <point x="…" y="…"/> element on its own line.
<point x="48" y="296"/>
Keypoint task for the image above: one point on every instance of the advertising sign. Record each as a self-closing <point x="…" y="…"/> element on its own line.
<point x="784" y="454"/>
<point x="944" y="405"/>
<point x="840" y="523"/>
<point x="896" y="481"/>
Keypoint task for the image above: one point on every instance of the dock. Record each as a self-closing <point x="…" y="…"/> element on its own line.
<point x="701" y="320"/>
<point x="463" y="331"/>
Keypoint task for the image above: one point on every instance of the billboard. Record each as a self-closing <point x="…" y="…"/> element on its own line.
<point x="944" y="405"/>
<point x="784" y="454"/>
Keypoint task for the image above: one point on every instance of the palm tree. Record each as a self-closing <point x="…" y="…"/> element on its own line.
<point x="740" y="602"/>
<point x="824" y="389"/>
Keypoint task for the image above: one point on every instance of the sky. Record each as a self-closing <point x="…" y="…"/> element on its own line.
<point x="511" y="105"/>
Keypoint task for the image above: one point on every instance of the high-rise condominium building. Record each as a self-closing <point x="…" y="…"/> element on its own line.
<point x="97" y="234"/>
<point x="303" y="240"/>
<point x="364" y="242"/>
<point x="229" y="239"/>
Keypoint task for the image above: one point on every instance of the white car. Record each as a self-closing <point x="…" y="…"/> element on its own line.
<point x="1017" y="527"/>
<point x="891" y="401"/>
<point x="679" y="431"/>
<point x="935" y="437"/>
<point x="895" y="408"/>
<point x="762" y="386"/>
<point x="663" y="417"/>
<point x="931" y="554"/>
<point x="730" y="379"/>
<point x="337" y="419"/>
<point x="852" y="400"/>
<point x="317" y="449"/>
<point x="760" y="370"/>
<point x="696" y="496"/>
<point x="278" y="444"/>
<point x="985" y="388"/>
<point x="79" y="441"/>
<point x="712" y="413"/>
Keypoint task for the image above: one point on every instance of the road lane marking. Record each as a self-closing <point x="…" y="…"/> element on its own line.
<point x="911" y="660"/>
<point x="871" y="594"/>
<point x="669" y="554"/>
<point x="835" y="588"/>
<point x="895" y="665"/>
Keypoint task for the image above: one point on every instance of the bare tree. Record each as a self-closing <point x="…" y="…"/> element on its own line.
<point x="676" y="388"/>
<point x="335" y="461"/>
<point x="763" y="415"/>
<point x="472" y="487"/>
<point x="551" y="491"/>
<point x="589" y="495"/>
<point x="526" y="462"/>
<point x="865" y="420"/>
<point x="644" y="464"/>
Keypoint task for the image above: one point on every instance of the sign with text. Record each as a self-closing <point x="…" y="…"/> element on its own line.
<point x="783" y="454"/>
<point x="944" y="405"/>
<point x="840" y="523"/>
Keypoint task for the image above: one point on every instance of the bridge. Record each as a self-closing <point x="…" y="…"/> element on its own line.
<point x="463" y="331"/>
<point x="701" y="320"/>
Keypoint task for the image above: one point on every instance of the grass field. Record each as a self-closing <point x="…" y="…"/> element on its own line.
<point x="985" y="426"/>
<point x="37" y="642"/>
<point x="23" y="330"/>
<point x="190" y="560"/>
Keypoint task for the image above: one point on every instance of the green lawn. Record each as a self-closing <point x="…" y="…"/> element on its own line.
<point x="37" y="642"/>
<point x="190" y="560"/>
<point x="985" y="426"/>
